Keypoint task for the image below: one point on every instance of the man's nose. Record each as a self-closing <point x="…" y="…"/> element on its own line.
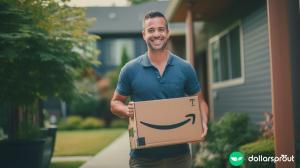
<point x="156" y="33"/>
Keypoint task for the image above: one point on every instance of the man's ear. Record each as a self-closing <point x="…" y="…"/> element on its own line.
<point x="143" y="34"/>
<point x="168" y="32"/>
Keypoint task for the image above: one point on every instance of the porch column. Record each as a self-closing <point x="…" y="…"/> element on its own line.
<point x="189" y="34"/>
<point x="281" y="80"/>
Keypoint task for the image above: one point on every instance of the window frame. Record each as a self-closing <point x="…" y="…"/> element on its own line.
<point x="216" y="38"/>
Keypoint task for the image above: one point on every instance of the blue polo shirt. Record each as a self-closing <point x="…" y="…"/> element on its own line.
<point x="141" y="81"/>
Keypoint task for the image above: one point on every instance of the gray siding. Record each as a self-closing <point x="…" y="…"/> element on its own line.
<point x="254" y="96"/>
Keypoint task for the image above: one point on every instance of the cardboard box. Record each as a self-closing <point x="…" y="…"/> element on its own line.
<point x="165" y="122"/>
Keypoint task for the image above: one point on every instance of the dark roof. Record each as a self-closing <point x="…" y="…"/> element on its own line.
<point x="113" y="20"/>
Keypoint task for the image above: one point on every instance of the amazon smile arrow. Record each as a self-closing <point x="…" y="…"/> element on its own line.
<point x="173" y="126"/>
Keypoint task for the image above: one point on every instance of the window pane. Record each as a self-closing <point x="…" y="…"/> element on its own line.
<point x="216" y="61"/>
<point x="116" y="48"/>
<point x="235" y="53"/>
<point x="224" y="58"/>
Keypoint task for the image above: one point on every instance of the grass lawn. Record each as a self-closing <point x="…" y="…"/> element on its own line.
<point x="71" y="164"/>
<point x="84" y="142"/>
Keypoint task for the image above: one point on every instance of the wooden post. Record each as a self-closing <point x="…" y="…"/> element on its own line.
<point x="281" y="80"/>
<point x="189" y="34"/>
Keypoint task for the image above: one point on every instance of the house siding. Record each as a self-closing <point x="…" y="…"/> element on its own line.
<point x="254" y="95"/>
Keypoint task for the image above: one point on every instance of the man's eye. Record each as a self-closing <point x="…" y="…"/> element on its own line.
<point x="161" y="29"/>
<point x="151" y="30"/>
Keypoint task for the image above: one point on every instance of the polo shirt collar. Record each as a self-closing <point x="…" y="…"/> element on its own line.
<point x="147" y="63"/>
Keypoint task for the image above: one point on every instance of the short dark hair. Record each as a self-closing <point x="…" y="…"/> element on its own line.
<point x="154" y="14"/>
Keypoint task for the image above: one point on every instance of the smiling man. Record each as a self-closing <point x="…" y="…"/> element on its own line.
<point x="157" y="74"/>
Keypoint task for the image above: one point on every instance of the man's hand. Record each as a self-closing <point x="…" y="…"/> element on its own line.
<point x="119" y="108"/>
<point x="204" y="114"/>
<point x="205" y="128"/>
<point x="130" y="109"/>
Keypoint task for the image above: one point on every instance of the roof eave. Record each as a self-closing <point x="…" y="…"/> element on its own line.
<point x="172" y="8"/>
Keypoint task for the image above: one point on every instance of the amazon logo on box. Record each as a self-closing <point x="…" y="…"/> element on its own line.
<point x="165" y="122"/>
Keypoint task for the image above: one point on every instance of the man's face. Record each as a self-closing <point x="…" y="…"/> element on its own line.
<point x="155" y="33"/>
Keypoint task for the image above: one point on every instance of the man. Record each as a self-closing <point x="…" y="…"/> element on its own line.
<point x="158" y="74"/>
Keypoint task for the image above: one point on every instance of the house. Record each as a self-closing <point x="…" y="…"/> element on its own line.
<point x="121" y="27"/>
<point x="246" y="54"/>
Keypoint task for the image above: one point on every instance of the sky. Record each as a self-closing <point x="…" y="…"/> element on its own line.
<point x="87" y="3"/>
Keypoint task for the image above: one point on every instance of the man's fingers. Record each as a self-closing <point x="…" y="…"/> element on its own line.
<point x="204" y="131"/>
<point x="130" y="115"/>
<point x="131" y="105"/>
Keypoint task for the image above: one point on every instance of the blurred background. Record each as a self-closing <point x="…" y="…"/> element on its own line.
<point x="60" y="61"/>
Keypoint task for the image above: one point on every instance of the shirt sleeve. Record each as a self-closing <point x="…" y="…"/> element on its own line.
<point x="123" y="85"/>
<point x="192" y="85"/>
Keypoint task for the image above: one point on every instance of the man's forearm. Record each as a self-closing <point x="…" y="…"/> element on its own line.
<point x="119" y="108"/>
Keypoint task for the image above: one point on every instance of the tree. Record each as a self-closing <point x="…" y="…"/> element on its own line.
<point x="124" y="58"/>
<point x="44" y="45"/>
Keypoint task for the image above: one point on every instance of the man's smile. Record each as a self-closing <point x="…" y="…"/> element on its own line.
<point x="157" y="41"/>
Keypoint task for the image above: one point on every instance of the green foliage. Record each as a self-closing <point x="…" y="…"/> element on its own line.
<point x="120" y="123"/>
<point x="77" y="123"/>
<point x="232" y="130"/>
<point x="264" y="147"/>
<point x="113" y="76"/>
<point x="28" y="131"/>
<point x="3" y="118"/>
<point x="124" y="57"/>
<point x="225" y="136"/>
<point x="259" y="146"/>
<point x="70" y="123"/>
<point x="104" y="112"/>
<point x="83" y="105"/>
<point x="91" y="123"/>
<point x="42" y="45"/>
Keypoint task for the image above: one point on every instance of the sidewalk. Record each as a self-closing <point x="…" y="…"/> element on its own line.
<point x="116" y="155"/>
<point x="71" y="158"/>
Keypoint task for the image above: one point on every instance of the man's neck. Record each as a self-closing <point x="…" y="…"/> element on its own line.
<point x="158" y="57"/>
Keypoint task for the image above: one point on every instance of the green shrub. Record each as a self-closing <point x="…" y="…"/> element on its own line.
<point x="120" y="123"/>
<point x="224" y="136"/>
<point x="264" y="147"/>
<point x="70" y="123"/>
<point x="91" y="123"/>
<point x="83" y="105"/>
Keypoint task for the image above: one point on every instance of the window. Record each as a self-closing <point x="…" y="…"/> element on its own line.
<point x="116" y="48"/>
<point x="226" y="57"/>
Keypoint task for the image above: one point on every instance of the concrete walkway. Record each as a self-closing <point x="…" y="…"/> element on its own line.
<point x="116" y="155"/>
<point x="71" y="158"/>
